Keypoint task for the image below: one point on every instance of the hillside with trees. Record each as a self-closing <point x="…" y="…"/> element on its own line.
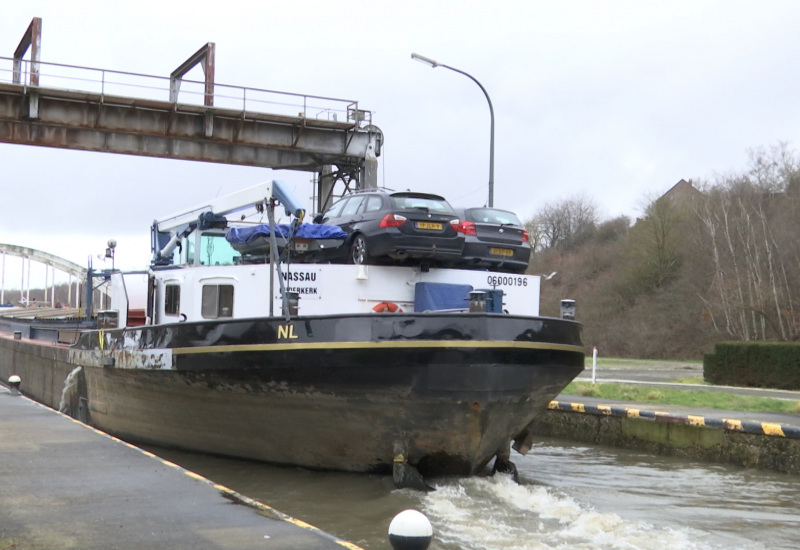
<point x="721" y="263"/>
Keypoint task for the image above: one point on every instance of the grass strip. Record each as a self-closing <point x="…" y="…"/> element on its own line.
<point x="687" y="398"/>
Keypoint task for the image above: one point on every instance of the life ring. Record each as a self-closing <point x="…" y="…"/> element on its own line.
<point x="387" y="307"/>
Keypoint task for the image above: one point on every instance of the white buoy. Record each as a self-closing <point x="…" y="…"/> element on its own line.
<point x="410" y="530"/>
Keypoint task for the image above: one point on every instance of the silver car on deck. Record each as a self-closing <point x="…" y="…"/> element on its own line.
<point x="493" y="239"/>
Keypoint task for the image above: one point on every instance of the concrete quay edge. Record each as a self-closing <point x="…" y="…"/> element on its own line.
<point x="46" y="501"/>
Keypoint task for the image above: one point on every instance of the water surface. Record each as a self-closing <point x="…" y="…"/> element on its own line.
<point x="569" y="496"/>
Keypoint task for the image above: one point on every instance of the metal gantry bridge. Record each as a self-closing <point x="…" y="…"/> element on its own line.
<point x="89" y="109"/>
<point x="72" y="107"/>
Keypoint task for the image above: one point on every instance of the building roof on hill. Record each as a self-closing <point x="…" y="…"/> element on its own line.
<point x="681" y="192"/>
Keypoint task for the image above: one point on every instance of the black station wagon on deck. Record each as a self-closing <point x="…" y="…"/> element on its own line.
<point x="384" y="226"/>
<point x="494" y="239"/>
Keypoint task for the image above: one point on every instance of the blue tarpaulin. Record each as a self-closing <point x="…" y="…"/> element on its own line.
<point x="243" y="235"/>
<point x="437" y="296"/>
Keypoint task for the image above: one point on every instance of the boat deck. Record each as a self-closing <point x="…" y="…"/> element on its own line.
<point x="65" y="485"/>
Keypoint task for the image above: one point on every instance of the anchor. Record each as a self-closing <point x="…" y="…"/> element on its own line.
<point x="405" y="475"/>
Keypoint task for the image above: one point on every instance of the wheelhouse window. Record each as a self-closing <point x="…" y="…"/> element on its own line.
<point x="172" y="299"/>
<point x="215" y="250"/>
<point x="217" y="301"/>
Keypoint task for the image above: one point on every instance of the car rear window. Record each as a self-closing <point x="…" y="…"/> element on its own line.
<point x="374" y="204"/>
<point x="422" y="202"/>
<point x="490" y="215"/>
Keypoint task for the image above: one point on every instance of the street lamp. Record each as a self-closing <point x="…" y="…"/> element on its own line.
<point x="112" y="244"/>
<point x="434" y="64"/>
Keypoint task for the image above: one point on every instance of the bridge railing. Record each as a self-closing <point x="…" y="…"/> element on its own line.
<point x="118" y="84"/>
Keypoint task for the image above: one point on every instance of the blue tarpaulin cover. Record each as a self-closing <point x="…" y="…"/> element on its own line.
<point x="436" y="296"/>
<point x="245" y="235"/>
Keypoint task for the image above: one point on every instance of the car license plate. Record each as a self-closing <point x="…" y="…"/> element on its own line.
<point x="429" y="225"/>
<point x="501" y="251"/>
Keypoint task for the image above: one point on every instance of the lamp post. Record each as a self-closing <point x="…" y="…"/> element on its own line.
<point x="434" y="64"/>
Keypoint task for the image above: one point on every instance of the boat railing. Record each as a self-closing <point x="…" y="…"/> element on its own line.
<point x="117" y="85"/>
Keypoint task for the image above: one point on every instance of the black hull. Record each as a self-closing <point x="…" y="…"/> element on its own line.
<point x="341" y="392"/>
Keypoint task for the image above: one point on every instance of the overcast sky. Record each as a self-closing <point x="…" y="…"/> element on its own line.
<point x="613" y="100"/>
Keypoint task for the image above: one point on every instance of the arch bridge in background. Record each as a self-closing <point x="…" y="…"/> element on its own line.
<point x="52" y="264"/>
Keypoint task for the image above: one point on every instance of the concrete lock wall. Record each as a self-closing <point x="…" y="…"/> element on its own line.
<point x="748" y="444"/>
<point x="43" y="368"/>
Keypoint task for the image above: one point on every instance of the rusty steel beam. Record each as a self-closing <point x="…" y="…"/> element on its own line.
<point x="94" y="122"/>
<point x="205" y="57"/>
<point x="31" y="39"/>
<point x="90" y="121"/>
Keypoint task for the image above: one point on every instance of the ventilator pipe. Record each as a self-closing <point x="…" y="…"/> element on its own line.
<point x="293" y="300"/>
<point x="568" y="309"/>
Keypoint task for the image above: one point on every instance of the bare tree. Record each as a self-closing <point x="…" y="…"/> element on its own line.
<point x="752" y="232"/>
<point x="660" y="240"/>
<point x="568" y="223"/>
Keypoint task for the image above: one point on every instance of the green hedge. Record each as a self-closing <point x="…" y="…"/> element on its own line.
<point x="754" y="364"/>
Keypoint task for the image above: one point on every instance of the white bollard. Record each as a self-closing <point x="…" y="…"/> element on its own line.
<point x="594" y="364"/>
<point x="410" y="530"/>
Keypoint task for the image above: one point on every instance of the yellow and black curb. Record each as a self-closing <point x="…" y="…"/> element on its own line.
<point x="744" y="426"/>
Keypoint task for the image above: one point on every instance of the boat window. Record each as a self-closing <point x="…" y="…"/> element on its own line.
<point x="217" y="301"/>
<point x="189" y="249"/>
<point x="172" y="299"/>
<point x="215" y="250"/>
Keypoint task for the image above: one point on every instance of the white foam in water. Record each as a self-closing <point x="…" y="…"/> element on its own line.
<point x="68" y="393"/>
<point x="493" y="513"/>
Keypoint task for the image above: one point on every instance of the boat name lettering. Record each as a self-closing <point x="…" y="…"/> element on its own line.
<point x="497" y="280"/>
<point x="300" y="276"/>
<point x="286" y="331"/>
<point x="303" y="289"/>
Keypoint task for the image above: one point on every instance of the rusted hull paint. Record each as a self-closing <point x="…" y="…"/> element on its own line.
<point x="328" y="392"/>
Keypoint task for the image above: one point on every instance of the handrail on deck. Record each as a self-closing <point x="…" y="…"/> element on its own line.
<point x="143" y="86"/>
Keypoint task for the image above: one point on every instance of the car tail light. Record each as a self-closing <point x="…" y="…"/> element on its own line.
<point x="465" y="227"/>
<point x="393" y="220"/>
<point x="525" y="237"/>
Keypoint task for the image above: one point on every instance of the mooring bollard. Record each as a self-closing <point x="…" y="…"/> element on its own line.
<point x="477" y="301"/>
<point x="14" y="381"/>
<point x="17" y="335"/>
<point x="410" y="530"/>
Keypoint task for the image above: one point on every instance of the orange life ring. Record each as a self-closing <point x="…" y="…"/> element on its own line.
<point x="389" y="307"/>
